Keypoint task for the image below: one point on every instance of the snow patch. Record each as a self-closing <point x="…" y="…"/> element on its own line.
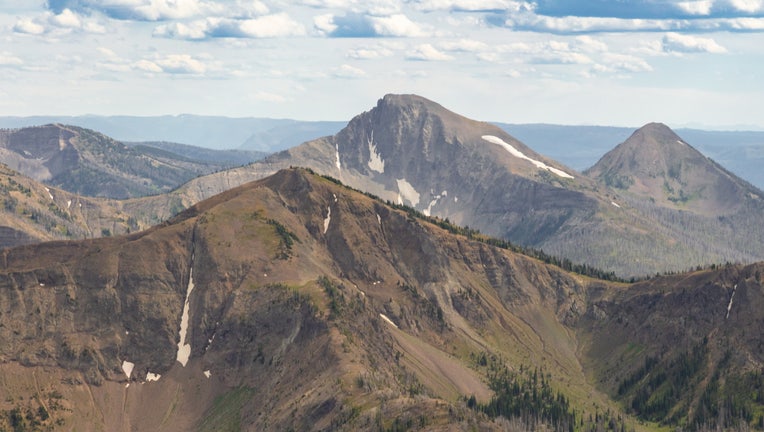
<point x="335" y="197"/>
<point x="328" y="219"/>
<point x="184" y="349"/>
<point x="407" y="192"/>
<point x="337" y="156"/>
<point x="434" y="201"/>
<point x="729" y="306"/>
<point x="375" y="160"/>
<point x="384" y="317"/>
<point x="152" y="377"/>
<point x="127" y="368"/>
<point x="681" y="142"/>
<point x="615" y="204"/>
<point x="518" y="154"/>
<point x="49" y="194"/>
<point x="456" y="199"/>
<point x="207" y="373"/>
<point x="68" y="204"/>
<point x="379" y="219"/>
<point x="399" y="200"/>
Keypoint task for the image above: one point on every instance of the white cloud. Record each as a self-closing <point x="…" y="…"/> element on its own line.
<point x="182" y="64"/>
<point x="268" y="97"/>
<point x="561" y="57"/>
<point x="28" y="26"/>
<point x="464" y="45"/>
<point x="471" y="5"/>
<point x="696" y="7"/>
<point x="589" y="44"/>
<point x="369" y="53"/>
<point x="347" y="71"/>
<point x="8" y="59"/>
<point x="427" y="52"/>
<point x="268" y="26"/>
<point x="397" y="25"/>
<point x="67" y="18"/>
<point x="682" y="43"/>
<point x="611" y="62"/>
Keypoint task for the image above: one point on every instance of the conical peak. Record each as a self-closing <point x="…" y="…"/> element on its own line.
<point x="657" y="131"/>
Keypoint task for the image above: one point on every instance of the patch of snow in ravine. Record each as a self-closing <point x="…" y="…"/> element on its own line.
<point x="518" y="154"/>
<point x="335" y="197"/>
<point x="207" y="373"/>
<point x="68" y="204"/>
<point x="399" y="201"/>
<point x="375" y="160"/>
<point x="407" y="192"/>
<point x="615" y="204"/>
<point x="127" y="368"/>
<point x="49" y="194"/>
<point x="384" y="317"/>
<point x="184" y="349"/>
<point x="379" y="219"/>
<point x="681" y="142"/>
<point x="434" y="201"/>
<point x="337" y="157"/>
<point x="729" y="306"/>
<point x="328" y="219"/>
<point x="152" y="377"/>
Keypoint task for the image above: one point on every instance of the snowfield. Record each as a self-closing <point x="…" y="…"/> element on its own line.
<point x="407" y="192"/>
<point x="184" y="349"/>
<point x="375" y="160"/>
<point x="518" y="154"/>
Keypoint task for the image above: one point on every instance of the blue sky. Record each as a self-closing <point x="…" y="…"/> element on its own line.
<point x="625" y="62"/>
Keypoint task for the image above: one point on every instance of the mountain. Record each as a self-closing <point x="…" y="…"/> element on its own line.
<point x="213" y="132"/>
<point x="32" y="212"/>
<point x="296" y="303"/>
<point x="284" y="136"/>
<point x="88" y="163"/>
<point x="409" y="150"/>
<point x="656" y="164"/>
<point x="216" y="159"/>
<point x="287" y="303"/>
<point x="580" y="147"/>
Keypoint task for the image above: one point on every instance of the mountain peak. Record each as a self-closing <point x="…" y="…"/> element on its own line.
<point x="655" y="163"/>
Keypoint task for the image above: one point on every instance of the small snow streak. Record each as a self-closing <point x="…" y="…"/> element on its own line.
<point x="375" y="160"/>
<point x="127" y="368"/>
<point x="729" y="306"/>
<point x="615" y="204"/>
<point x="337" y="156"/>
<point x="207" y="373"/>
<point x="518" y="154"/>
<point x="184" y="349"/>
<point x="384" y="317"/>
<point x="379" y="219"/>
<point x="328" y="219"/>
<point x="152" y="377"/>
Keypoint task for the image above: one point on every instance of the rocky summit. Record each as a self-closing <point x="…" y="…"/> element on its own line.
<point x="297" y="303"/>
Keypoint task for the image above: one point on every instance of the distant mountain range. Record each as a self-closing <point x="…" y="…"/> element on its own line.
<point x="295" y="303"/>
<point x="219" y="133"/>
<point x="412" y="151"/>
<point x="652" y="204"/>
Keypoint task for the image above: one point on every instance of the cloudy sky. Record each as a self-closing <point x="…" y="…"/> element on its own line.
<point x="606" y="62"/>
